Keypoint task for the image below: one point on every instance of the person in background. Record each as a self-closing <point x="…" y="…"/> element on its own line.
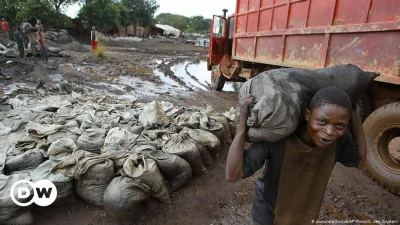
<point x="32" y="41"/>
<point x="19" y="38"/>
<point x="297" y="171"/>
<point x="5" y="28"/>
<point x="29" y="32"/>
<point x="41" y="44"/>
<point x="39" y="26"/>
<point x="94" y="36"/>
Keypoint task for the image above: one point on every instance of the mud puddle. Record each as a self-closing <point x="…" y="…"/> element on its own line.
<point x="180" y="71"/>
<point x="166" y="80"/>
<point x="196" y="73"/>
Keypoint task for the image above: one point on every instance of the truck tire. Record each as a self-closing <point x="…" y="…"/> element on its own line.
<point x="365" y="106"/>
<point x="217" y="82"/>
<point x="382" y="133"/>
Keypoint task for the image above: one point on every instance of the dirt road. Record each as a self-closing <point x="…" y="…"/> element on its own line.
<point x="166" y="70"/>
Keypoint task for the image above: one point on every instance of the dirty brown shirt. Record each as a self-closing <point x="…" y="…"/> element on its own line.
<point x="292" y="187"/>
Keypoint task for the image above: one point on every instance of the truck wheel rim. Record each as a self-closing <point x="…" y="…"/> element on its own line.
<point x="394" y="148"/>
<point x="386" y="147"/>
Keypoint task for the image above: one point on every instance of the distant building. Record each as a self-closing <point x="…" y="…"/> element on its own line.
<point x="165" y="30"/>
<point x="158" y="29"/>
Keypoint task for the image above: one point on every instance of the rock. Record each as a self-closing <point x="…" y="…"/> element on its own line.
<point x="11" y="44"/>
<point x="65" y="39"/>
<point x="11" y="53"/>
<point x="50" y="54"/>
<point x="64" y="54"/>
<point x="61" y="36"/>
<point x="54" y="50"/>
<point x="75" y="47"/>
<point x="4" y="41"/>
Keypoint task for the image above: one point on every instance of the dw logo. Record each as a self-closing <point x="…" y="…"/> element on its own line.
<point x="44" y="193"/>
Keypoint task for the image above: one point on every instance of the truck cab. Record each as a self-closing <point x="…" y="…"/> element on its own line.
<point x="220" y="52"/>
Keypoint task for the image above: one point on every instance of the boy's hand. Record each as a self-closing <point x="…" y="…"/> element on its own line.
<point x="244" y="104"/>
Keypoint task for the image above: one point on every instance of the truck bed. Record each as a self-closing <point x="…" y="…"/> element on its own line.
<point x="320" y="33"/>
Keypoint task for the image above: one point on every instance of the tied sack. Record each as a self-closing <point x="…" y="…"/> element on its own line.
<point x="146" y="170"/>
<point x="124" y="200"/>
<point x="63" y="183"/>
<point x="92" y="174"/>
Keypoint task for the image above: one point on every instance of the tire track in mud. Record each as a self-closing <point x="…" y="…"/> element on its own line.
<point x="195" y="78"/>
<point x="165" y="68"/>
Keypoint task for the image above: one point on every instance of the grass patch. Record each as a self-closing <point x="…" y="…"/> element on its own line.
<point x="100" y="50"/>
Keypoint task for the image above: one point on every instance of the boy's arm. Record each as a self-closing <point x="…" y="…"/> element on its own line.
<point x="234" y="164"/>
<point x="356" y="128"/>
<point x="243" y="163"/>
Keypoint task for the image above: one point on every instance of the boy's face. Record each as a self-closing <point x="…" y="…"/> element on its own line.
<point x="326" y="124"/>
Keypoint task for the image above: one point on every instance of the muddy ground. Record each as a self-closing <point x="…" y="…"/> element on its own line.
<point x="167" y="70"/>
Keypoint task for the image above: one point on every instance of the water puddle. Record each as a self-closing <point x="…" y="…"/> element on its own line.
<point x="199" y="70"/>
<point x="147" y="88"/>
<point x="180" y="71"/>
<point x="166" y="80"/>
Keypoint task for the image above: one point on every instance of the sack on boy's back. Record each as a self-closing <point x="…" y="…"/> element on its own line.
<point x="124" y="198"/>
<point x="10" y="213"/>
<point x="139" y="166"/>
<point x="92" y="174"/>
<point x="282" y="95"/>
<point x="175" y="169"/>
<point x="63" y="183"/>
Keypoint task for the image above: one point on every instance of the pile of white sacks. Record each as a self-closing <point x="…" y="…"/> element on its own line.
<point x="115" y="155"/>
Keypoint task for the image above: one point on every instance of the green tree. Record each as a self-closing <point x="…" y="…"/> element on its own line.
<point x="30" y="10"/>
<point x="103" y="13"/>
<point x="197" y="24"/>
<point x="141" y="12"/>
<point x="206" y="25"/>
<point x="178" y="21"/>
<point x="57" y="4"/>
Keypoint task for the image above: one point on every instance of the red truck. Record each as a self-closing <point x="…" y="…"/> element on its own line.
<point x="314" y="34"/>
